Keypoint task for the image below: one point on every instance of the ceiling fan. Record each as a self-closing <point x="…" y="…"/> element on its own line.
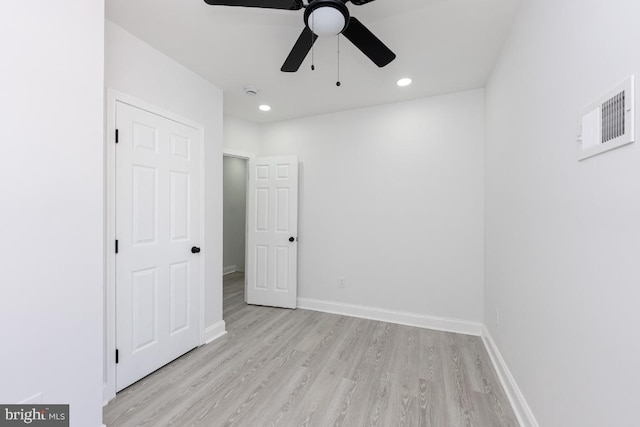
<point x="322" y="18"/>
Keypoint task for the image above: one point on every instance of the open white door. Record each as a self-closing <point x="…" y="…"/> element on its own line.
<point x="158" y="232"/>
<point x="272" y="231"/>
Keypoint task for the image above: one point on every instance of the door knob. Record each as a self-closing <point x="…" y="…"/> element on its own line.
<point x="195" y="250"/>
<point x="292" y="239"/>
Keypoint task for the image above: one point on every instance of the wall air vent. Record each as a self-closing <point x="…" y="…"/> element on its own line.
<point x="609" y="122"/>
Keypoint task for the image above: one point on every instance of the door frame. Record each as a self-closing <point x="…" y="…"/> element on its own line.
<point x="246" y="156"/>
<point x="113" y="97"/>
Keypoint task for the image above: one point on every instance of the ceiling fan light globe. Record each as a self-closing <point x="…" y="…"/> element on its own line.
<point x="327" y="21"/>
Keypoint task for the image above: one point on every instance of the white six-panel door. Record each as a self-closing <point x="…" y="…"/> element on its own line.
<point x="157" y="225"/>
<point x="272" y="231"/>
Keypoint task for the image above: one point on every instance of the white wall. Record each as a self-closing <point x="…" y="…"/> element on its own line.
<point x="234" y="212"/>
<point x="135" y="68"/>
<point x="51" y="109"/>
<point x="241" y="135"/>
<point x="391" y="199"/>
<point x="562" y="236"/>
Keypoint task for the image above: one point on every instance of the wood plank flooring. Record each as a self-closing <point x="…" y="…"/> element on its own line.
<point x="303" y="368"/>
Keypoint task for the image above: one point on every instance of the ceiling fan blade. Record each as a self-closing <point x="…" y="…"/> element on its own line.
<point x="360" y="2"/>
<point x="368" y="43"/>
<point x="299" y="51"/>
<point x="267" y="4"/>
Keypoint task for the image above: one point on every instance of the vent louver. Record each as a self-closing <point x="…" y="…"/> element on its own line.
<point x="613" y="112"/>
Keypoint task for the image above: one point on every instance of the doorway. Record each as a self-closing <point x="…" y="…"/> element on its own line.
<point x="234" y="229"/>
<point x="260" y="222"/>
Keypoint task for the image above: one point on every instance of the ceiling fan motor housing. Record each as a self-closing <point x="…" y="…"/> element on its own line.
<point x="316" y="5"/>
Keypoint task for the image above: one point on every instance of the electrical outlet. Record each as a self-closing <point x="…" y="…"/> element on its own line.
<point x="497" y="316"/>
<point x="341" y="283"/>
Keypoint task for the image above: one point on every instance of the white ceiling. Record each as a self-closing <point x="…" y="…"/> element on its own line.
<point x="443" y="45"/>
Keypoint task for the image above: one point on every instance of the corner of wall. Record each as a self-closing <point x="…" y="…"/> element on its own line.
<point x="515" y="396"/>
<point x="214" y="331"/>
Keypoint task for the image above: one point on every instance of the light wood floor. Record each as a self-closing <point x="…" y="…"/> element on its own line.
<point x="303" y="368"/>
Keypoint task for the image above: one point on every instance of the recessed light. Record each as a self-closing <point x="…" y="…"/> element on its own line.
<point x="404" y="82"/>
<point x="265" y="107"/>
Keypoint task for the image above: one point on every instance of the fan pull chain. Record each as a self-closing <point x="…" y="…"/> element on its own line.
<point x="313" y="67"/>
<point x="338" y="82"/>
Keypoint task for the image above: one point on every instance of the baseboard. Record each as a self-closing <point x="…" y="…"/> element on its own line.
<point x="384" y="315"/>
<point x="106" y="394"/>
<point x="515" y="396"/>
<point x="229" y="270"/>
<point x="36" y="399"/>
<point x="214" y="332"/>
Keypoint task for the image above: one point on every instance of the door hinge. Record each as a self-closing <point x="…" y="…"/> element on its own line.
<point x="116" y="246"/>
<point x="117" y="136"/>
<point x="117" y="358"/>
